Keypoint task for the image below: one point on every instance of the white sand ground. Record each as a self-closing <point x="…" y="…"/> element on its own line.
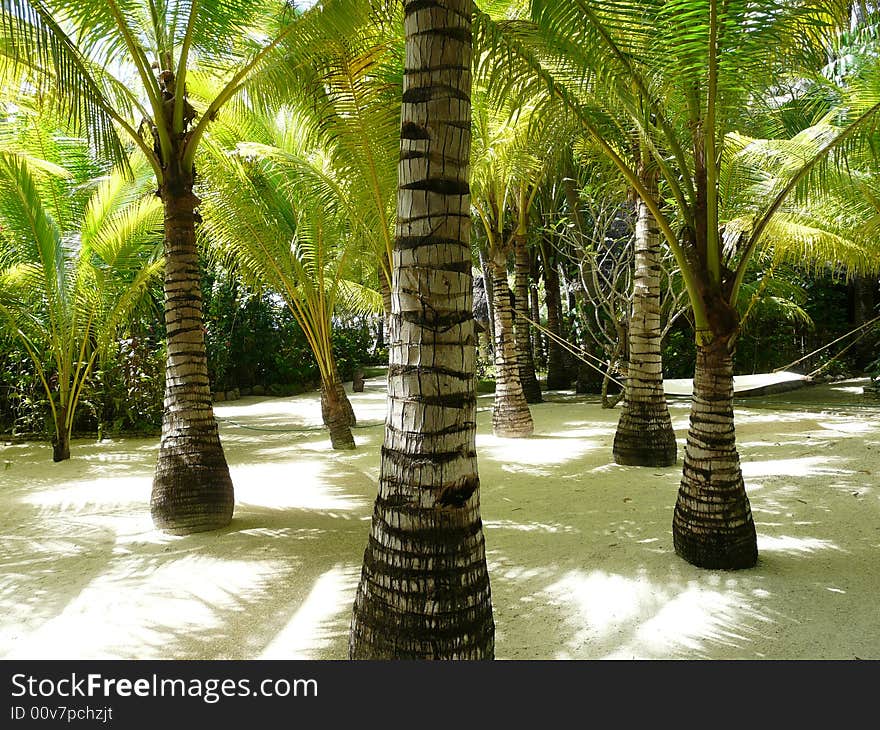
<point x="580" y="549"/>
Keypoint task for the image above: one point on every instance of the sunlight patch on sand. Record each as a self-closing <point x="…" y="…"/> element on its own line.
<point x="800" y="467"/>
<point x="144" y="612"/>
<point x="647" y="620"/>
<point x="311" y="627"/>
<point x="532" y="451"/>
<point x="789" y="544"/>
<point x="105" y="493"/>
<point x="527" y="526"/>
<point x="291" y="485"/>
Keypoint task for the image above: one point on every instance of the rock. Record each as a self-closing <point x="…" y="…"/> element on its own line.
<point x="357" y="381"/>
<point x="233" y="394"/>
<point x="245" y="392"/>
<point x="258" y="390"/>
<point x="219" y="396"/>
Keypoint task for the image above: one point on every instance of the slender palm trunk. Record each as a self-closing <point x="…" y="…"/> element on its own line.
<point x="337" y="413"/>
<point x="557" y="373"/>
<point x="644" y="434"/>
<point x="424" y="588"/>
<point x="511" y="416"/>
<point x="524" y="359"/>
<point x="538" y="355"/>
<point x="192" y="489"/>
<point x="61" y="439"/>
<point x="712" y="526"/>
<point x="490" y="295"/>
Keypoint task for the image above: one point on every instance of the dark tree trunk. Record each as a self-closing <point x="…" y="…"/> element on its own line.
<point x="61" y="439"/>
<point x="424" y="589"/>
<point x="525" y="363"/>
<point x="535" y="313"/>
<point x="192" y="489"/>
<point x="557" y="371"/>
<point x="490" y="296"/>
<point x="712" y="526"/>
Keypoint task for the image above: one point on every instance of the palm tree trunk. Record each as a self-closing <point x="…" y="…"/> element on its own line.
<point x="490" y="295"/>
<point x="712" y="526"/>
<point x="192" y="489"/>
<point x="424" y="589"/>
<point x="538" y="355"/>
<point x="337" y="413"/>
<point x="511" y="417"/>
<point x="525" y="362"/>
<point x="61" y="439"/>
<point x="557" y="372"/>
<point x="644" y="434"/>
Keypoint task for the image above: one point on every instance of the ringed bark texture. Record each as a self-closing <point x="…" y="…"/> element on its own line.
<point x="712" y="525"/>
<point x="337" y="413"/>
<point x="644" y="435"/>
<point x="424" y="588"/>
<point x="511" y="416"/>
<point x="524" y="358"/>
<point x="192" y="489"/>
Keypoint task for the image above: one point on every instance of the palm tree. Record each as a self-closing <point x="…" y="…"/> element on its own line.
<point x="644" y="435"/>
<point x="125" y="67"/>
<point x="284" y="219"/>
<point x="501" y="159"/>
<point x="66" y="293"/>
<point x="424" y="589"/>
<point x="686" y="74"/>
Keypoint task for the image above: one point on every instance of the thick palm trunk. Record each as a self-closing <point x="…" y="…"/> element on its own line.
<point x="557" y="373"/>
<point x="192" y="489"/>
<point x="712" y="526"/>
<point x="525" y="362"/>
<point x="424" y="588"/>
<point x="644" y="434"/>
<point x="510" y="413"/>
<point x="337" y="413"/>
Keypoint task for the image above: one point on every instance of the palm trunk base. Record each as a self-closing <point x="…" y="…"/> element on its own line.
<point x="511" y="419"/>
<point x="425" y="601"/>
<point x="192" y="489"/>
<point x="721" y="544"/>
<point x="645" y="438"/>
<point x="338" y="416"/>
<point x="712" y="526"/>
<point x="60" y="448"/>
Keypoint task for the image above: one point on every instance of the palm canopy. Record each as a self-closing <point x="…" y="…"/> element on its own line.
<point x="282" y="217"/>
<point x="116" y="65"/>
<point x="65" y="292"/>
<point x="686" y="74"/>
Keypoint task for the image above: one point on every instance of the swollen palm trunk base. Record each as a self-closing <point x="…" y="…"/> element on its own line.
<point x="644" y="436"/>
<point x="421" y="597"/>
<point x="712" y="526"/>
<point x="192" y="489"/>
<point x="338" y="415"/>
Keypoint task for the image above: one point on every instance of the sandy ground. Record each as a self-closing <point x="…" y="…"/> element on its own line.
<point x="580" y="549"/>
